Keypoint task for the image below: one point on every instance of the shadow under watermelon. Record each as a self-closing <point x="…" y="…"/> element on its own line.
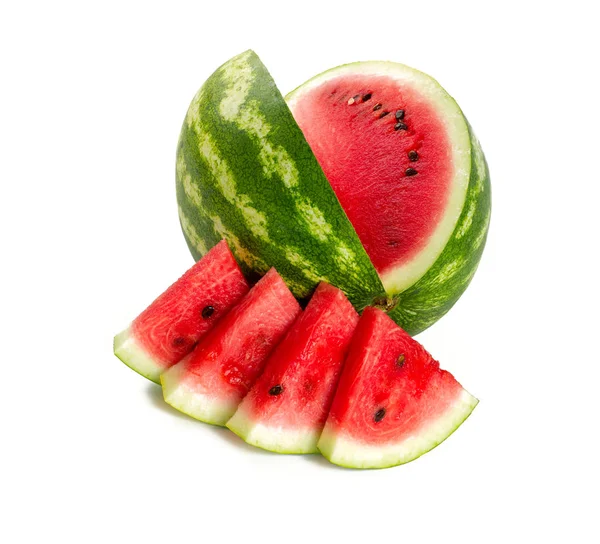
<point x="155" y="396"/>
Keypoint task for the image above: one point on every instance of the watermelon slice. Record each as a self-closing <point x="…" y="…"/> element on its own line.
<point x="393" y="402"/>
<point x="287" y="407"/>
<point x="211" y="381"/>
<point x="170" y="327"/>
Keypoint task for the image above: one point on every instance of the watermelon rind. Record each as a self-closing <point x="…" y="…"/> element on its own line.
<point x="245" y="172"/>
<point x="203" y="407"/>
<point x="133" y="354"/>
<point x="427" y="286"/>
<point x="276" y="439"/>
<point x="434" y="294"/>
<point x="351" y="453"/>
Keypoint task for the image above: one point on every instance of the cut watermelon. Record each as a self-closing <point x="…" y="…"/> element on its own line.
<point x="287" y="407"/>
<point x="407" y="170"/>
<point x="211" y="381"/>
<point x="393" y="402"/>
<point x="171" y="326"/>
<point x="409" y="174"/>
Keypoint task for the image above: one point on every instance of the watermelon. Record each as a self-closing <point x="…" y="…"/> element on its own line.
<point x="170" y="327"/>
<point x="376" y="184"/>
<point x="246" y="173"/>
<point x="210" y="382"/>
<point x="393" y="402"/>
<point x="409" y="173"/>
<point x="287" y="407"/>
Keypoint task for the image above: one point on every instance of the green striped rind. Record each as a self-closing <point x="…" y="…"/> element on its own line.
<point x="347" y="452"/>
<point x="246" y="173"/>
<point x="427" y="300"/>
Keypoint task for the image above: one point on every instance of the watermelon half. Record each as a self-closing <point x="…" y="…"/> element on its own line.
<point x="376" y="184"/>
<point x="287" y="407"/>
<point x="393" y="402"/>
<point x="172" y="325"/>
<point x="211" y="381"/>
<point x="410" y="175"/>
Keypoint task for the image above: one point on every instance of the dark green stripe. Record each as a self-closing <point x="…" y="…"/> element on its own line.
<point x="286" y="227"/>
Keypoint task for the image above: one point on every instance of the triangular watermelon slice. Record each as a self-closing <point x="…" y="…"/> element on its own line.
<point x="393" y="402"/>
<point x="287" y="407"/>
<point x="211" y="381"/>
<point x="172" y="325"/>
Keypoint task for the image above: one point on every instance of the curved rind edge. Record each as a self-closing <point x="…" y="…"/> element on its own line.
<point x="275" y="439"/>
<point x="192" y="403"/>
<point x="130" y="352"/>
<point x="432" y="296"/>
<point x="354" y="454"/>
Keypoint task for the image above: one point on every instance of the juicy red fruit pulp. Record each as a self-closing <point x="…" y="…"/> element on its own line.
<point x="391" y="387"/>
<point x="297" y="386"/>
<point x="227" y="362"/>
<point x="173" y="324"/>
<point x="386" y="154"/>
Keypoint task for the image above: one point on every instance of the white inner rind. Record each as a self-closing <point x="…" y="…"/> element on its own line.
<point x="401" y="277"/>
<point x="277" y="439"/>
<point x="346" y="451"/>
<point x="128" y="349"/>
<point x="182" y="397"/>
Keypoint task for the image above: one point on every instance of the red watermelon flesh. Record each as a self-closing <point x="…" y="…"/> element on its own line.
<point x="211" y="381"/>
<point x="172" y="325"/>
<point x="393" y="402"/>
<point x="386" y="153"/>
<point x="287" y="407"/>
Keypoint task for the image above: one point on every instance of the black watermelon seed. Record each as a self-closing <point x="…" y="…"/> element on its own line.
<point x="276" y="390"/>
<point x="383" y="114"/>
<point x="411" y="172"/>
<point x="379" y="415"/>
<point x="366" y="97"/>
<point x="400" y="115"/>
<point x="377" y="107"/>
<point x="179" y="341"/>
<point x="401" y="360"/>
<point x="400" y="126"/>
<point x="207" y="311"/>
<point x="413" y="156"/>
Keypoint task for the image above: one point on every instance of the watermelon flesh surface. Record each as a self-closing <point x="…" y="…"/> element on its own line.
<point x="398" y="153"/>
<point x="211" y="381"/>
<point x="287" y="407"/>
<point x="172" y="325"/>
<point x="392" y="182"/>
<point x="393" y="402"/>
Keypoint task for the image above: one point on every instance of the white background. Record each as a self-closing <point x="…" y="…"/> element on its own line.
<point x="92" y="96"/>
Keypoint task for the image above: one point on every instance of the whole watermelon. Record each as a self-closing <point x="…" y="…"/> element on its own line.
<point x="390" y="202"/>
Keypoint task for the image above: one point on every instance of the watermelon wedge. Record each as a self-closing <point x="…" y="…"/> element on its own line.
<point x="172" y="325"/>
<point x="287" y="407"/>
<point x="244" y="172"/>
<point x="211" y="381"/>
<point x="393" y="402"/>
